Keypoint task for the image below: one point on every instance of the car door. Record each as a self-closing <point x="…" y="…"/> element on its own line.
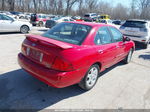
<point x="118" y="41"/>
<point x="9" y="24"/>
<point x="106" y="49"/>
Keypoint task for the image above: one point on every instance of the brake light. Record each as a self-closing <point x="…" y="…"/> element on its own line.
<point x="23" y="49"/>
<point x="61" y="65"/>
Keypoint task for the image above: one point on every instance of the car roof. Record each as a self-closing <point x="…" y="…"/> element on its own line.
<point x="89" y="13"/>
<point x="89" y="23"/>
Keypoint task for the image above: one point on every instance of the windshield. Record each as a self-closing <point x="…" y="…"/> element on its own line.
<point x="136" y="24"/>
<point x="68" y="32"/>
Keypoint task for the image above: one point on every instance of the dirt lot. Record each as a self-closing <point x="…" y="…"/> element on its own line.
<point x="121" y="86"/>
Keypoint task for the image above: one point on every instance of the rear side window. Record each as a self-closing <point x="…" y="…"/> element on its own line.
<point x="136" y="24"/>
<point x="117" y="35"/>
<point x="68" y="32"/>
<point x="103" y="36"/>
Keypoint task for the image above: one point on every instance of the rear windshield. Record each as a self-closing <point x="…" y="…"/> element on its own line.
<point x="136" y="24"/>
<point x="41" y="16"/>
<point x="87" y="15"/>
<point x="68" y="32"/>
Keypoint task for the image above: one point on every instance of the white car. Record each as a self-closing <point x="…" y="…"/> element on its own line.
<point x="9" y="24"/>
<point x="137" y="30"/>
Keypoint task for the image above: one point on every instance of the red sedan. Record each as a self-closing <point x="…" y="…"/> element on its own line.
<point x="74" y="53"/>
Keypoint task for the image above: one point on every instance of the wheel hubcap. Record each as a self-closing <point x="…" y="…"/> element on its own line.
<point x="129" y="56"/>
<point x="92" y="77"/>
<point x="24" y="29"/>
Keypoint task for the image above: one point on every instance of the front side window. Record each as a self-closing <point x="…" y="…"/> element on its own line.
<point x="103" y="36"/>
<point x="68" y="32"/>
<point x="117" y="35"/>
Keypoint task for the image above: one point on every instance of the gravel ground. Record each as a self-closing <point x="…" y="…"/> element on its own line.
<point x="121" y="86"/>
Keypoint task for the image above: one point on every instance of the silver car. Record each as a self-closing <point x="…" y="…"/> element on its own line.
<point x="137" y="30"/>
<point x="9" y="24"/>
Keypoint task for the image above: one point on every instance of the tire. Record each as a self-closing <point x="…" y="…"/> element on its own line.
<point x="40" y="24"/>
<point x="128" y="57"/>
<point x="90" y="79"/>
<point x="145" y="46"/>
<point x="24" y="29"/>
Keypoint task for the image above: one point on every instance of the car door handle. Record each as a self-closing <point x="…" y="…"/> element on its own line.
<point x="100" y="51"/>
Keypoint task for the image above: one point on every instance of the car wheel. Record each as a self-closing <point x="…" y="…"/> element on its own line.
<point x="128" y="57"/>
<point x="90" y="79"/>
<point x="40" y="24"/>
<point x="24" y="29"/>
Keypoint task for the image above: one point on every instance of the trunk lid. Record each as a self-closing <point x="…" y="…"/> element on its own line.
<point x="43" y="50"/>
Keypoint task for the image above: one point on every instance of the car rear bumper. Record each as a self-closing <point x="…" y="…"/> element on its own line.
<point x="51" y="77"/>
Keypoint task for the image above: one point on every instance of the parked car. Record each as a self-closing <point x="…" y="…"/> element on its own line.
<point x="106" y="21"/>
<point x="38" y="19"/>
<point x="18" y="15"/>
<point x="52" y="22"/>
<point x="137" y="30"/>
<point x="74" y="52"/>
<point x="117" y="22"/>
<point x="9" y="24"/>
<point x="89" y="17"/>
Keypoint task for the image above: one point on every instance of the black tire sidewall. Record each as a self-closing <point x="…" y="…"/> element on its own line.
<point x="126" y="59"/>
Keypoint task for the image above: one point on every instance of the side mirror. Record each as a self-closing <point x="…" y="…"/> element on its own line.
<point x="126" y="39"/>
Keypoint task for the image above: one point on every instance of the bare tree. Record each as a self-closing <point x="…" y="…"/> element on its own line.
<point x="35" y="6"/>
<point x="69" y="4"/>
<point x="3" y="4"/>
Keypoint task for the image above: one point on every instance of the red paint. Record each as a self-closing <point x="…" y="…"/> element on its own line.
<point x="65" y="64"/>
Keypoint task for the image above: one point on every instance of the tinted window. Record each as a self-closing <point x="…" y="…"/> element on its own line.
<point x="103" y="21"/>
<point x="87" y="15"/>
<point x="68" y="32"/>
<point x="117" y="36"/>
<point x="0" y="17"/>
<point x="4" y="17"/>
<point x="65" y="20"/>
<point x="137" y="24"/>
<point x="103" y="36"/>
<point x="94" y="15"/>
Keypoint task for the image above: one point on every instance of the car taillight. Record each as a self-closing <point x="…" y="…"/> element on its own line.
<point x="143" y="29"/>
<point x="23" y="49"/>
<point x="122" y="27"/>
<point x="61" y="65"/>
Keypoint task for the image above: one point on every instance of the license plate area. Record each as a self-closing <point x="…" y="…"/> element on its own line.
<point x="34" y="54"/>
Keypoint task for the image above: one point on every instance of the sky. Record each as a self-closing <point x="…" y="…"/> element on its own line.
<point x="123" y="2"/>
